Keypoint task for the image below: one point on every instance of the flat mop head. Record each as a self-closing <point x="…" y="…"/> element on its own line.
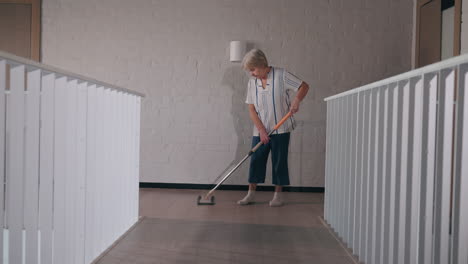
<point x="205" y="200"/>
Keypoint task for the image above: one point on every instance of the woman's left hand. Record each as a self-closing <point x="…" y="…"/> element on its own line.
<point x="303" y="89"/>
<point x="294" y="106"/>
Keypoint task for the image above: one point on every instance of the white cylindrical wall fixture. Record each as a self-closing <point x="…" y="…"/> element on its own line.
<point x="237" y="50"/>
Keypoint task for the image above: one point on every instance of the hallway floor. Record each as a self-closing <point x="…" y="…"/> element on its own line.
<point x="175" y="230"/>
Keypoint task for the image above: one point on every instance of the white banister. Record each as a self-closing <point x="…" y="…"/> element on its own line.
<point x="460" y="197"/>
<point x="69" y="161"/>
<point x="397" y="167"/>
<point x="46" y="154"/>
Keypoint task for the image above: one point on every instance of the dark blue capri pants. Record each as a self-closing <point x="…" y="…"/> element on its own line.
<point x="279" y="146"/>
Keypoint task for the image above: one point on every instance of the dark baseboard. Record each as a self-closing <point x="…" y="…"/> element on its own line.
<point x="227" y="187"/>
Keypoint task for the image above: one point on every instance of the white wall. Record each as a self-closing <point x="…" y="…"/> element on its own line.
<point x="194" y="120"/>
<point x="448" y="16"/>
<point x="464" y="28"/>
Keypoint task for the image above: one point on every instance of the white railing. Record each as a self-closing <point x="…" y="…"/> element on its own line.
<point x="69" y="159"/>
<point x="396" y="185"/>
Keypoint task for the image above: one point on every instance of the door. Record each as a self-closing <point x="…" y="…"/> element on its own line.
<point x="428" y="32"/>
<point x="438" y="30"/>
<point x="20" y="28"/>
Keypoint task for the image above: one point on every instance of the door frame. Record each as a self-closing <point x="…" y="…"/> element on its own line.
<point x="457" y="28"/>
<point x="35" y="25"/>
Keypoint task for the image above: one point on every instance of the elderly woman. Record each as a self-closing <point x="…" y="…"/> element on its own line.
<point x="268" y="99"/>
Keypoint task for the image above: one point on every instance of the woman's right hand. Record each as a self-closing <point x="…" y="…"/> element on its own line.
<point x="264" y="137"/>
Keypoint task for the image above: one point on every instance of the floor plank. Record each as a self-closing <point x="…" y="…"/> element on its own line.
<point x="175" y="230"/>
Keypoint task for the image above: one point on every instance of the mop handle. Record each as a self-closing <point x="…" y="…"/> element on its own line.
<point x="281" y="122"/>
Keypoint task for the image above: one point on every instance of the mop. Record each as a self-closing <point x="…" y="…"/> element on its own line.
<point x="209" y="198"/>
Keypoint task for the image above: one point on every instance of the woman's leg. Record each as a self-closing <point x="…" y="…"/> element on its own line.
<point x="257" y="171"/>
<point x="279" y="158"/>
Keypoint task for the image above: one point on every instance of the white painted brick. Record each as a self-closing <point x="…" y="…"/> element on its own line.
<point x="214" y="147"/>
<point x="195" y="123"/>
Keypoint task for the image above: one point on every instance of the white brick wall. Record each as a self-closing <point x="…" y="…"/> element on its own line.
<point x="464" y="28"/>
<point x="194" y="120"/>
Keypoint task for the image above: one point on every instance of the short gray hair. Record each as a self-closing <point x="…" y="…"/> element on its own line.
<point x="254" y="58"/>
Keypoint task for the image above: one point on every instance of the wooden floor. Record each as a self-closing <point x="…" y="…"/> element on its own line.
<point x="175" y="230"/>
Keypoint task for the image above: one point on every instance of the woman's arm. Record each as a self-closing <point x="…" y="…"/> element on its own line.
<point x="303" y="89"/>
<point x="258" y="123"/>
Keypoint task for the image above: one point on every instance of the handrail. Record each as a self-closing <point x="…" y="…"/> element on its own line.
<point x="47" y="68"/>
<point x="69" y="161"/>
<point x="406" y="75"/>
<point x="396" y="166"/>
